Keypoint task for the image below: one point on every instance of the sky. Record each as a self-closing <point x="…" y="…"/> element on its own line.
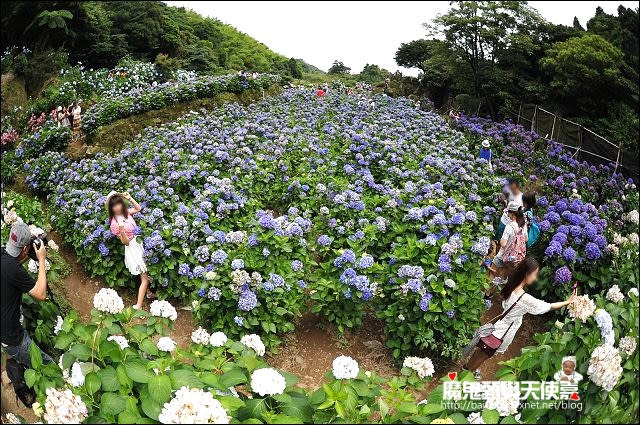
<point x="356" y="33"/>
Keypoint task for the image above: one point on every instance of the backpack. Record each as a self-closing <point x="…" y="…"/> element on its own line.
<point x="517" y="250"/>
<point x="534" y="230"/>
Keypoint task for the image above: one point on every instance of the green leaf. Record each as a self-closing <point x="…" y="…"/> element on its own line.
<point x="232" y="378"/>
<point x="185" y="378"/>
<point x="149" y="347"/>
<point x="36" y="356"/>
<point x="80" y="352"/>
<point x="112" y="403"/>
<point x="109" y="379"/>
<point x="150" y="407"/>
<point x="92" y="382"/>
<point x="490" y="416"/>
<point x="30" y="377"/>
<point x="137" y="371"/>
<point x="160" y="388"/>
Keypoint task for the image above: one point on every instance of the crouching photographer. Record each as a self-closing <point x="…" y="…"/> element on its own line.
<point x="15" y="282"/>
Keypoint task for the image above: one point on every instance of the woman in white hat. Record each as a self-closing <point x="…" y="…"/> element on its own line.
<point x="123" y="226"/>
<point x="485" y="152"/>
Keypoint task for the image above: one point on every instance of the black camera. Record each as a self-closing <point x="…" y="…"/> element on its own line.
<point x="36" y="240"/>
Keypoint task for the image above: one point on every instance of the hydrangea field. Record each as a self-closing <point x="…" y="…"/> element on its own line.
<point x="351" y="207"/>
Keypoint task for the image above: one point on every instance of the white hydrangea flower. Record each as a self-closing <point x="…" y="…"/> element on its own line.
<point x="217" y="339"/>
<point x="450" y="283"/>
<point x="211" y="275"/>
<point x="166" y="344"/>
<point x="605" y="366"/>
<point x="422" y="365"/>
<point x="627" y="345"/>
<point x="164" y="309"/>
<point x="120" y="340"/>
<point x="58" y="327"/>
<point x="193" y="406"/>
<point x="475" y="418"/>
<point x="200" y="336"/>
<point x="614" y="294"/>
<point x="53" y="245"/>
<point x="77" y="377"/>
<point x="108" y="301"/>
<point x="254" y="342"/>
<point x="344" y="367"/>
<point x="503" y="396"/>
<point x="582" y="308"/>
<point x="631" y="217"/>
<point x="605" y="324"/>
<point x="64" y="407"/>
<point x="634" y="239"/>
<point x="267" y="381"/>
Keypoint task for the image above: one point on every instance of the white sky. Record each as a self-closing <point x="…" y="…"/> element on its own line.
<point x="356" y="32"/>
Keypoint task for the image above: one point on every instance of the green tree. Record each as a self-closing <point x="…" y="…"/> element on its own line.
<point x="294" y="68"/>
<point x="414" y="53"/>
<point x="373" y="74"/>
<point x="339" y="68"/>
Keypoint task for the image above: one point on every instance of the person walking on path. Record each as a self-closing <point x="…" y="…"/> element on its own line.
<point x="516" y="302"/>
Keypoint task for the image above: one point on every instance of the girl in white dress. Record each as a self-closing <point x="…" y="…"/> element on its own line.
<point x="505" y="329"/>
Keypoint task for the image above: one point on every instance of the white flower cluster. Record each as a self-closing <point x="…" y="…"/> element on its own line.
<point x="450" y="283"/>
<point x="422" y="365"/>
<point x="254" y="342"/>
<point x="33" y="266"/>
<point x="164" y="309"/>
<point x="633" y="291"/>
<point x="267" y="381"/>
<point x="58" y="327"/>
<point x="614" y="294"/>
<point x="582" y="308"/>
<point x="475" y="418"/>
<point x="200" y="336"/>
<point x="77" y="377"/>
<point x="120" y="340"/>
<point x="605" y="324"/>
<point x="605" y="366"/>
<point x="108" y="301"/>
<point x="166" y="344"/>
<point x="217" y="339"/>
<point x="627" y="345"/>
<point x="344" y="367"/>
<point x="503" y="397"/>
<point x="53" y="245"/>
<point x="631" y="217"/>
<point x="64" y="407"/>
<point x="193" y="406"/>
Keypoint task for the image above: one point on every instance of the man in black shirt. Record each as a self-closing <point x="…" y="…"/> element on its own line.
<point x="15" y="282"/>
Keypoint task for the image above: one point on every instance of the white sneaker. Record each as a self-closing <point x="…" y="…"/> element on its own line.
<point x="135" y="307"/>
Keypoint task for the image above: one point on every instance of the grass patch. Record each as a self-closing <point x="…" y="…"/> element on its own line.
<point x="111" y="137"/>
<point x="13" y="92"/>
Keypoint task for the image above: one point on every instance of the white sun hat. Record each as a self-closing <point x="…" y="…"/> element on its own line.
<point x="485" y="143"/>
<point x="112" y="193"/>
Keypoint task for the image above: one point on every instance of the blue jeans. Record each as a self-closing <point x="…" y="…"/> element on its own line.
<point x="20" y="353"/>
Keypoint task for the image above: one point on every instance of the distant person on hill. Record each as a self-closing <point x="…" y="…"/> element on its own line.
<point x="515" y="304"/>
<point x="486" y="153"/>
<point x="528" y="202"/>
<point x="123" y="225"/>
<point x="59" y="116"/>
<point x="321" y="92"/>
<point x="513" y="194"/>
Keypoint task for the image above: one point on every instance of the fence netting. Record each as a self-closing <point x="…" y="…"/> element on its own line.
<point x="581" y="142"/>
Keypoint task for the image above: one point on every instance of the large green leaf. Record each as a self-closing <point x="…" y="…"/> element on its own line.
<point x="185" y="378"/>
<point x="160" y="388"/>
<point x="109" y="379"/>
<point x="112" y="403"/>
<point x="137" y="371"/>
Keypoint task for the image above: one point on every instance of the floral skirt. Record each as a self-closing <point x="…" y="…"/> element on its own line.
<point x="134" y="257"/>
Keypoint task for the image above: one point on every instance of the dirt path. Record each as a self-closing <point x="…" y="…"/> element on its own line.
<point x="78" y="289"/>
<point x="309" y="351"/>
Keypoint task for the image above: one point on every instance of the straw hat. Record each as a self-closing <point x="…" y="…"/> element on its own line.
<point x="485" y="143"/>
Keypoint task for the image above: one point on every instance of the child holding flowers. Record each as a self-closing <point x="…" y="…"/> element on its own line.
<point x="123" y="225"/>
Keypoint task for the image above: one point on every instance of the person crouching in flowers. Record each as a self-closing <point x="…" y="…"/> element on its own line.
<point x="568" y="372"/>
<point x="515" y="304"/>
<point x="122" y="225"/>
